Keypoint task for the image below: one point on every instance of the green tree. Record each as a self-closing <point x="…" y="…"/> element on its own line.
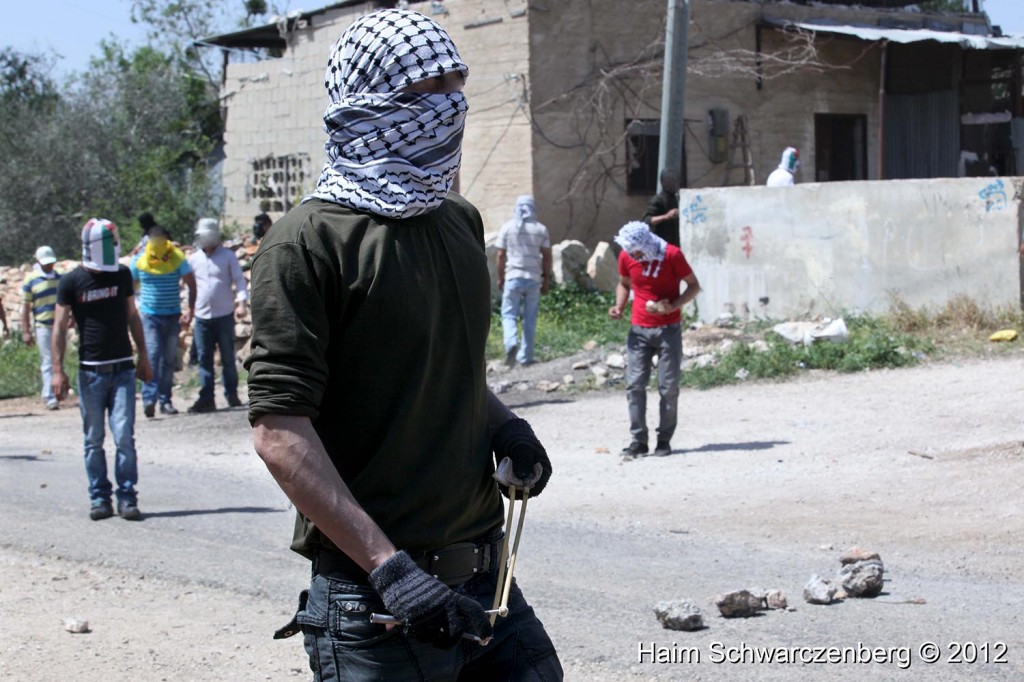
<point x="132" y="133"/>
<point x="24" y="81"/>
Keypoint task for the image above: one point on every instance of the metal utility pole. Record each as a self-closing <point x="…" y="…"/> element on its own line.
<point x="673" y="89"/>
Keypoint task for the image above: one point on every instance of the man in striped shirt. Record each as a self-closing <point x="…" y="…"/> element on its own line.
<point x="159" y="270"/>
<point x="39" y="299"/>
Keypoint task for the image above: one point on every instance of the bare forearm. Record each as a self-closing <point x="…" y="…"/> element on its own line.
<point x="691" y="293"/>
<point x="297" y="460"/>
<point x="58" y="346"/>
<point x="138" y="335"/>
<point x="621" y="295"/>
<point x="499" y="265"/>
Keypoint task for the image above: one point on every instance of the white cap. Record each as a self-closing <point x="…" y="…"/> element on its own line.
<point x="207" y="225"/>
<point x="45" y="255"/>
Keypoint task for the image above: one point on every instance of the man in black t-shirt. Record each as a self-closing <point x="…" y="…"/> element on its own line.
<point x="99" y="294"/>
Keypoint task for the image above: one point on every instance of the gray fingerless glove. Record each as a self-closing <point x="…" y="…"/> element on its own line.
<point x="432" y="612"/>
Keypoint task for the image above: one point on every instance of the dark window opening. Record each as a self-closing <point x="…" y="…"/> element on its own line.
<point x="840" y="147"/>
<point x="280" y="181"/>
<point x="990" y="101"/>
<point x="642" y="140"/>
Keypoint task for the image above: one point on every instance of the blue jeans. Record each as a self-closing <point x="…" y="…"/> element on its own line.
<point x="520" y="299"/>
<point x="641" y="345"/>
<point x="161" y="333"/>
<point x="217" y="332"/>
<point x="343" y="645"/>
<point x="99" y="394"/>
<point x="44" y="334"/>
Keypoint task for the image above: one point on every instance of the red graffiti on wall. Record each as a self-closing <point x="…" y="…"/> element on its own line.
<point x="747" y="238"/>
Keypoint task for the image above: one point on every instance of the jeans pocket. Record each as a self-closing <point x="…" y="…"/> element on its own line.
<point x="348" y="617"/>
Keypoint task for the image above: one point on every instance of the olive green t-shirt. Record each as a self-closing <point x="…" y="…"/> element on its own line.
<point x="375" y="329"/>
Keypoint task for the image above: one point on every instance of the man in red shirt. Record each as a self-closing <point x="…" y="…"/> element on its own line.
<point x="653" y="269"/>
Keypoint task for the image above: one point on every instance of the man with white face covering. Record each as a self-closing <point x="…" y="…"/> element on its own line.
<point x="217" y="272"/>
<point x="524" y="272"/>
<point x="654" y="270"/>
<point x="367" y="393"/>
<point x="100" y="296"/>
<point x="785" y="174"/>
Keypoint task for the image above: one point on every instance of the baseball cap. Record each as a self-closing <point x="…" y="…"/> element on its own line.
<point x="45" y="255"/>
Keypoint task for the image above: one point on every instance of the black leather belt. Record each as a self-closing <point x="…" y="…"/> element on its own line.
<point x="452" y="565"/>
<point x="108" y="368"/>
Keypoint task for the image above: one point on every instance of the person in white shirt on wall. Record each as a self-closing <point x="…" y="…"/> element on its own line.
<point x="785" y="174"/>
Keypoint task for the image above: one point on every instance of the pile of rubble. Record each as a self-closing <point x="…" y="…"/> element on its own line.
<point x="12" y="277"/>
<point x="860" y="574"/>
<point x="572" y="263"/>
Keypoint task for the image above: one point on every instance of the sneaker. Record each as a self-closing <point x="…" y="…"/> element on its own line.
<point x="129" y="511"/>
<point x="663" y="449"/>
<point x="635" y="449"/>
<point x="510" y="356"/>
<point x="52" y="405"/>
<point x="101" y="511"/>
<point x="233" y="401"/>
<point x="149" y="409"/>
<point x="167" y="408"/>
<point x="201" y="406"/>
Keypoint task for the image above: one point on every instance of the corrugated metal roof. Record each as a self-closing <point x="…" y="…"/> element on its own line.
<point x="904" y="35"/>
<point x="269" y="35"/>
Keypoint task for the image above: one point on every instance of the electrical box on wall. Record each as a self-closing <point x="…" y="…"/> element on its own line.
<point x="718" y="135"/>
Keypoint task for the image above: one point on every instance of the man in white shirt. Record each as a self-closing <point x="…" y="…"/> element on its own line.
<point x="217" y="272"/>
<point x="785" y="174"/>
<point x="524" y="266"/>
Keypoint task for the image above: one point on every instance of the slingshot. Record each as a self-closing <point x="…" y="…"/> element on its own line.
<point x="505" y="568"/>
<point x="508" y="561"/>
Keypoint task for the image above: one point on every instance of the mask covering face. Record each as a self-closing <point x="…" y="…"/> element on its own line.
<point x="207" y="233"/>
<point x="101" y="246"/>
<point x="391" y="153"/>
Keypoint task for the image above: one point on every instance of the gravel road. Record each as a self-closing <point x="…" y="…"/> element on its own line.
<point x="767" y="485"/>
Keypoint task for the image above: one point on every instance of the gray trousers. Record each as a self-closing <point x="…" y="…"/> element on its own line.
<point x="641" y="345"/>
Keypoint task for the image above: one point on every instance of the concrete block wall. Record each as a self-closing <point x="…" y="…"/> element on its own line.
<point x="578" y="197"/>
<point x="827" y="248"/>
<point x="572" y="41"/>
<point x="275" y="106"/>
<point x="496" y="149"/>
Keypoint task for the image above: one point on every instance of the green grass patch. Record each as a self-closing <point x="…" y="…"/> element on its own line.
<point x="872" y="344"/>
<point x="19" y="368"/>
<point x="567" y="319"/>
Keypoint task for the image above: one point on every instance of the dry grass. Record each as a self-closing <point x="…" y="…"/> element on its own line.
<point x="961" y="327"/>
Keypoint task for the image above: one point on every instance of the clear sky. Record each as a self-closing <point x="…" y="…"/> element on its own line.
<point x="69" y="28"/>
<point x="73" y="28"/>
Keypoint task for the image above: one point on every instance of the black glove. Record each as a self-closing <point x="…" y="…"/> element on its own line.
<point x="431" y="611"/>
<point x="530" y="464"/>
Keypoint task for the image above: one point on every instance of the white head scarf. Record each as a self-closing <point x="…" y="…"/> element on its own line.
<point x="391" y="153"/>
<point x="101" y="247"/>
<point x="525" y="210"/>
<point x="636" y="236"/>
<point x="790" y="160"/>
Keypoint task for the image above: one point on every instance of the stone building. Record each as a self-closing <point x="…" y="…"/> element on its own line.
<point x="565" y="100"/>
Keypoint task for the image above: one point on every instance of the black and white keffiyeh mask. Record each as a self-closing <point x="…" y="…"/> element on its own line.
<point x="641" y="244"/>
<point x="391" y="153"/>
